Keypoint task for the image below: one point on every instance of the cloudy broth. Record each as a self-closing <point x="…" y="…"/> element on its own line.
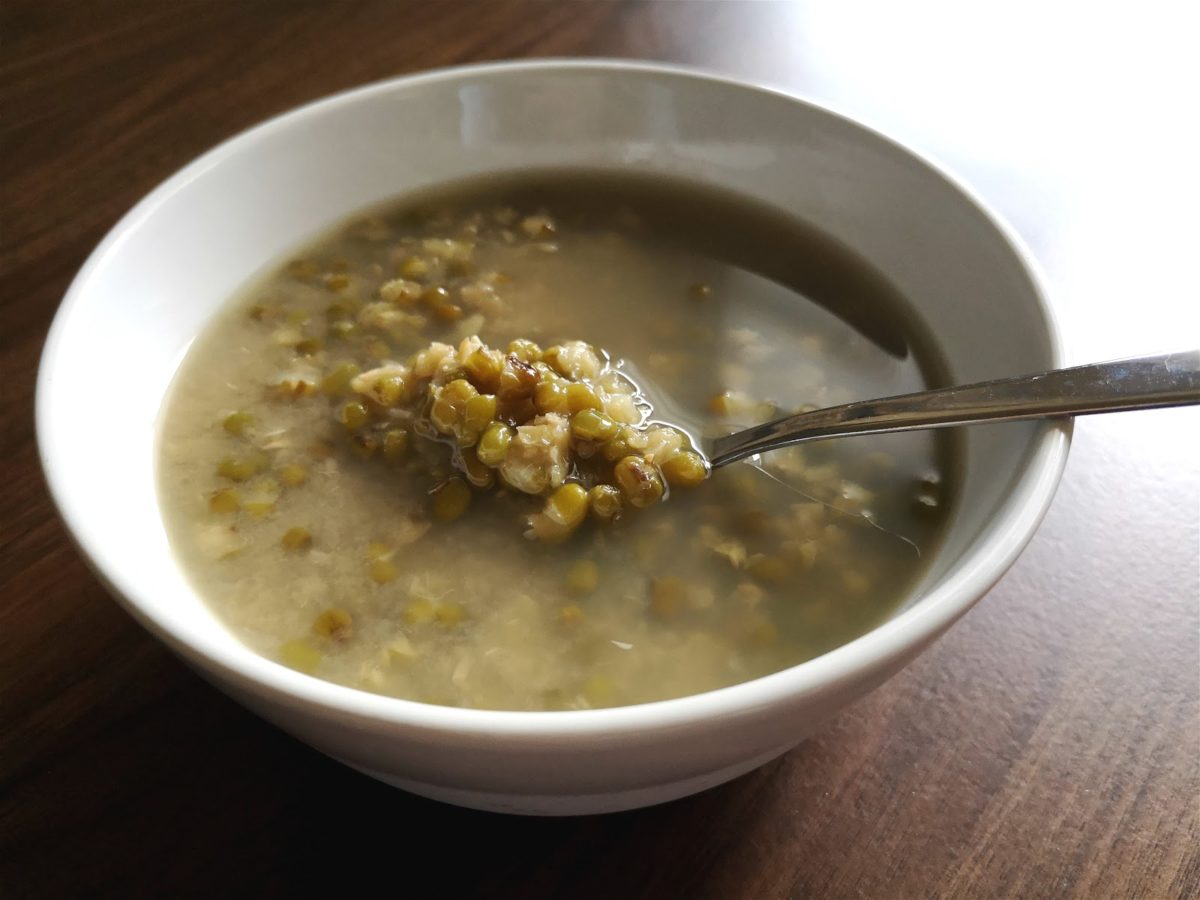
<point x="330" y="555"/>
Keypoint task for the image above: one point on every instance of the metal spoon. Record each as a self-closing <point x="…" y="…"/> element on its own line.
<point x="1146" y="383"/>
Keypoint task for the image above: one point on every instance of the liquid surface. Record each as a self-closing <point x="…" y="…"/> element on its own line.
<point x="328" y="556"/>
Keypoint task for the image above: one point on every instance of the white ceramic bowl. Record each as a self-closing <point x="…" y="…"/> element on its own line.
<point x="164" y="270"/>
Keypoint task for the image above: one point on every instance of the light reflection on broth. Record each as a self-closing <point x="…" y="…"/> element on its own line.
<point x="333" y="557"/>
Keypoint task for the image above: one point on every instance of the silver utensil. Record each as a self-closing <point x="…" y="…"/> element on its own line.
<point x="1153" y="381"/>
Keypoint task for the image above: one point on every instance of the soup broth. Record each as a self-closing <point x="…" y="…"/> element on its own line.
<point x="333" y="553"/>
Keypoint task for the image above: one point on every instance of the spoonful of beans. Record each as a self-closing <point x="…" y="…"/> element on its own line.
<point x="568" y="425"/>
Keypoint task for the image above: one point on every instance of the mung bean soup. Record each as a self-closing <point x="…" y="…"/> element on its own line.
<point x="451" y="451"/>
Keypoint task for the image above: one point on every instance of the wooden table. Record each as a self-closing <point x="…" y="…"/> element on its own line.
<point x="1046" y="747"/>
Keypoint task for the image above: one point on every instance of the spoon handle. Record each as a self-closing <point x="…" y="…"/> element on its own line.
<point x="1153" y="381"/>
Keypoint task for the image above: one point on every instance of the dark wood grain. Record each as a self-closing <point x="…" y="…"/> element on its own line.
<point x="1046" y="747"/>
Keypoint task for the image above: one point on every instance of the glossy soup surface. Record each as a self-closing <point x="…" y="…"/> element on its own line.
<point x="326" y="554"/>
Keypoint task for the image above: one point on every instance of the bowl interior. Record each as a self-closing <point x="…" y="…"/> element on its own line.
<point x="165" y="269"/>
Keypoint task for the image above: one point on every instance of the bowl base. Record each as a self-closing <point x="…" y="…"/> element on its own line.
<point x="573" y="804"/>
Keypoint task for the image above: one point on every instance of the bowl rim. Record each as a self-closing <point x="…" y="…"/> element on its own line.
<point x="905" y="633"/>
